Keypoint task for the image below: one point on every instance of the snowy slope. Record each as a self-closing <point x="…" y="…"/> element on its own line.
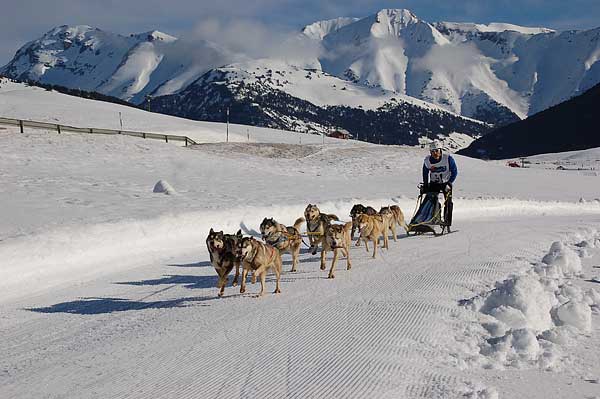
<point x="497" y="72"/>
<point x="107" y="281"/>
<point x="281" y="95"/>
<point x="127" y="67"/>
<point x="314" y="86"/>
<point x="318" y="30"/>
<point x="465" y="67"/>
<point x="106" y="289"/>
<point x="20" y="101"/>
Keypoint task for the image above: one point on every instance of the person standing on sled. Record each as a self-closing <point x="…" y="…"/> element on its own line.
<point x="439" y="173"/>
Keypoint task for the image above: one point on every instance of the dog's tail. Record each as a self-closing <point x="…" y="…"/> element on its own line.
<point x="332" y="216"/>
<point x="298" y="223"/>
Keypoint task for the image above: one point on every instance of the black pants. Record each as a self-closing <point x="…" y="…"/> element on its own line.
<point x="448" y="205"/>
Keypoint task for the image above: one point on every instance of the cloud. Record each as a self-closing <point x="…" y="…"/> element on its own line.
<point x="255" y="39"/>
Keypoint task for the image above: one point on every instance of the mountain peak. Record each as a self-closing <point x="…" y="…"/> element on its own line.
<point x="70" y="31"/>
<point x="318" y="30"/>
<point x="401" y="16"/>
<point x="154" y="35"/>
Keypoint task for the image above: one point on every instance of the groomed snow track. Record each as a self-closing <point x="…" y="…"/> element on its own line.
<point x="384" y="329"/>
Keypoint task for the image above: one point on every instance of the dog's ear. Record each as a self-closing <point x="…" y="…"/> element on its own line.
<point x="211" y="231"/>
<point x="239" y="233"/>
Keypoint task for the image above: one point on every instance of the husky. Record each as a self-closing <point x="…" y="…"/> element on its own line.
<point x="316" y="222"/>
<point x="259" y="258"/>
<point x="393" y="214"/>
<point x="284" y="238"/>
<point x="371" y="227"/>
<point x="359" y="209"/>
<point x="222" y="249"/>
<point x="337" y="237"/>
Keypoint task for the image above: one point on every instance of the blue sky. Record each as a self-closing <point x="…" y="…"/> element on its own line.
<point x="25" y="20"/>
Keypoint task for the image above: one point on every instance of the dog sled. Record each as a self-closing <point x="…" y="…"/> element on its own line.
<point x="431" y="216"/>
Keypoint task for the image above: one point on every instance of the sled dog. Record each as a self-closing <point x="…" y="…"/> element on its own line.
<point x="284" y="238"/>
<point x="393" y="214"/>
<point x="316" y="222"/>
<point x="259" y="258"/>
<point x="370" y="228"/>
<point x="222" y="249"/>
<point x="359" y="209"/>
<point x="337" y="237"/>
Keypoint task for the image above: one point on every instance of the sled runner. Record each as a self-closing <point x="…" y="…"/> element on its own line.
<point x="431" y="216"/>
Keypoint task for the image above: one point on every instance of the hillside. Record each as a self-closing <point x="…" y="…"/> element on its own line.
<point x="572" y="125"/>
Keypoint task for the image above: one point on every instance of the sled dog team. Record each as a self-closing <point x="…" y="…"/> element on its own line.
<point x="229" y="251"/>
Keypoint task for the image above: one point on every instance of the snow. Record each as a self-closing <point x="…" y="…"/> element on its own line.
<point x="315" y="86"/>
<point x="19" y="101"/>
<point x="460" y="67"/>
<point x="106" y="288"/>
<point x="318" y="30"/>
<point x="492" y="27"/>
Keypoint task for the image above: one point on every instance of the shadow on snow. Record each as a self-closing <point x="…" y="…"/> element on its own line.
<point x="91" y="306"/>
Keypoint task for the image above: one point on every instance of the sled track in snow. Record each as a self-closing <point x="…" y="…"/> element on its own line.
<point x="374" y="331"/>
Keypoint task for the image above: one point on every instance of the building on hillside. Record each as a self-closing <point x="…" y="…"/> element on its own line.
<point x="340" y="133"/>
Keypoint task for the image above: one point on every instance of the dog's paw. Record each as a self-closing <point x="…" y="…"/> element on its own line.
<point x="322" y="267"/>
<point x="242" y="290"/>
<point x="220" y="294"/>
<point x="277" y="291"/>
<point x="331" y="275"/>
<point x="234" y="284"/>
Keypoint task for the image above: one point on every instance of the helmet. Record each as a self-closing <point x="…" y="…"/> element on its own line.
<point x="435" y="145"/>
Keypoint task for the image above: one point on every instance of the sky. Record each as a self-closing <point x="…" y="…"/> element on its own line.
<point x="26" y="20"/>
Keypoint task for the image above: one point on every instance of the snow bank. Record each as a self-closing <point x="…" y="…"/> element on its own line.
<point x="78" y="252"/>
<point x="38" y="262"/>
<point x="560" y="261"/>
<point x="528" y="318"/>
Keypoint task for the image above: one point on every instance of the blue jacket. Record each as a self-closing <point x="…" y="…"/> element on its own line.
<point x="453" y="169"/>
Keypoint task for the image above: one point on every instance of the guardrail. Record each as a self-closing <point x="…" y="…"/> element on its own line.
<point x="22" y="124"/>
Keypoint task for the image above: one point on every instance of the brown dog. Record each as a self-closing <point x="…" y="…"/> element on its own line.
<point x="393" y="214"/>
<point x="259" y="258"/>
<point x="284" y="238"/>
<point x="316" y="222"/>
<point x="359" y="209"/>
<point x="222" y="249"/>
<point x="337" y="237"/>
<point x="371" y="227"/>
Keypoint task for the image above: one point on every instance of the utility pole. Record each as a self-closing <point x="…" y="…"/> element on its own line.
<point x="228" y="124"/>
<point x="148" y="98"/>
<point x="121" y="120"/>
<point x="248" y="133"/>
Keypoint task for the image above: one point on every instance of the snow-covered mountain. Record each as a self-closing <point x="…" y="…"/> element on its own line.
<point x="497" y="73"/>
<point x="279" y="95"/>
<point x="471" y="69"/>
<point x="128" y="67"/>
<point x="569" y="126"/>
